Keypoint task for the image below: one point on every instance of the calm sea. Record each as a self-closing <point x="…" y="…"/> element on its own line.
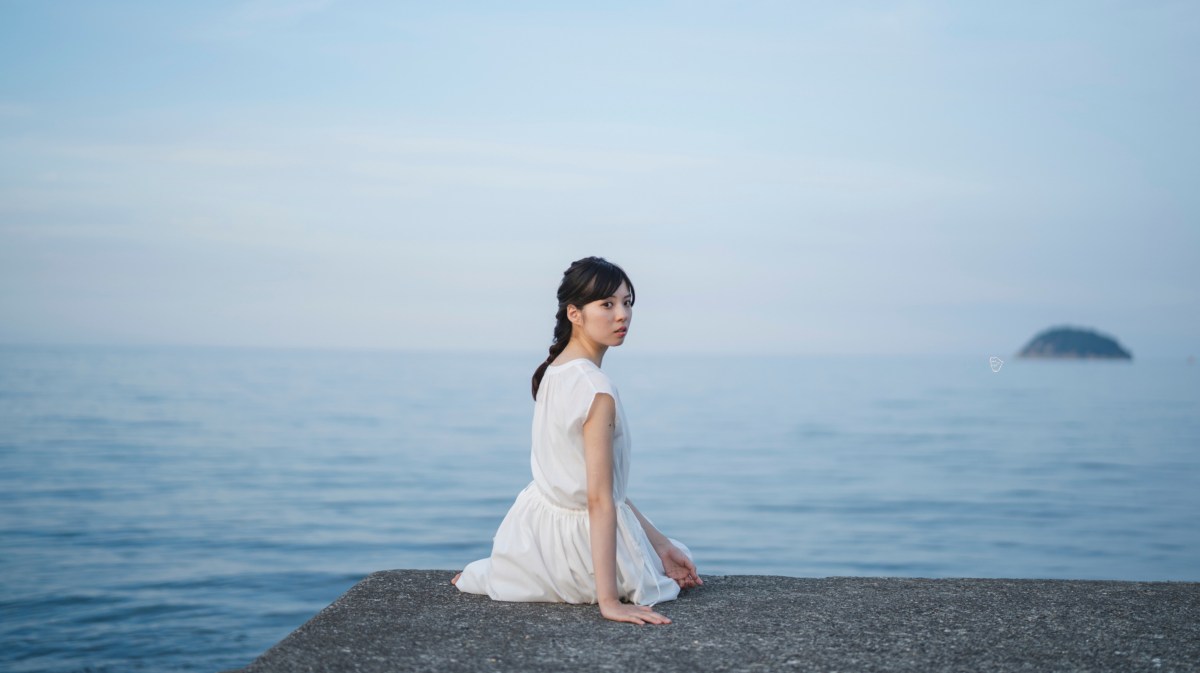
<point x="183" y="509"/>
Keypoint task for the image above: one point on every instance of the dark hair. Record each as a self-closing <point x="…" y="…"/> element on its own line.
<point x="585" y="281"/>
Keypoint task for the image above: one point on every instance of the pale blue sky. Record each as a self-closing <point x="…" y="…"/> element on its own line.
<point x="776" y="177"/>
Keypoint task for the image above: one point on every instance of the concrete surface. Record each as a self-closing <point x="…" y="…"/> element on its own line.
<point x="415" y="620"/>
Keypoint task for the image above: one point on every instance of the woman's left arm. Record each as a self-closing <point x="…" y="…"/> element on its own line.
<point x="676" y="564"/>
<point x="657" y="539"/>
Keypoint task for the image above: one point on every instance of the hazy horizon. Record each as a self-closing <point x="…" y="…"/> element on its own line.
<point x="536" y="354"/>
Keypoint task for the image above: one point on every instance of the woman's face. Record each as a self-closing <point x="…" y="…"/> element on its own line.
<point x="606" y="320"/>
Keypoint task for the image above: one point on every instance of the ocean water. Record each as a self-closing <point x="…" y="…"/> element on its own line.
<point x="183" y="509"/>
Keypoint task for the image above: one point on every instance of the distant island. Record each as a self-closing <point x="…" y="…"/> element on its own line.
<point x="1070" y="342"/>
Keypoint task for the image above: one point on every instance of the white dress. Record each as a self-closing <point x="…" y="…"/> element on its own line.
<point x="542" y="550"/>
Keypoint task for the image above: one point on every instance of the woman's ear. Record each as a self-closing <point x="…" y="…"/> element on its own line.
<point x="574" y="314"/>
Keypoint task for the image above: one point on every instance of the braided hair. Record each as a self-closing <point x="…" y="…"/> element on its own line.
<point x="585" y="281"/>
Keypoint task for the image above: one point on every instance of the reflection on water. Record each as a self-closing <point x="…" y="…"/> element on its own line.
<point x="184" y="509"/>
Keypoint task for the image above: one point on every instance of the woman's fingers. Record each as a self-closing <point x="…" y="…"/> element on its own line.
<point x="634" y="614"/>
<point x="649" y="616"/>
<point x="654" y="616"/>
<point x="686" y="579"/>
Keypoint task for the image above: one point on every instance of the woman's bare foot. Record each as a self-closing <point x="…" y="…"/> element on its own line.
<point x="455" y="580"/>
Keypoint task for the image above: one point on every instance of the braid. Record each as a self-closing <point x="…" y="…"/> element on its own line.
<point x="562" y="336"/>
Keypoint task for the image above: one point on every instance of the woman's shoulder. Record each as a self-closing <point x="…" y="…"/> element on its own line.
<point x="563" y="364"/>
<point x="583" y="369"/>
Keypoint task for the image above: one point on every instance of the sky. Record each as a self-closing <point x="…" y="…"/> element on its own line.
<point x="775" y="177"/>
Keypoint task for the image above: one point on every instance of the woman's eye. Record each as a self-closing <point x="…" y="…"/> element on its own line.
<point x="607" y="304"/>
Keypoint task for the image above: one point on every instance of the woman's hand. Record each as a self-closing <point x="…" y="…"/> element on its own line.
<point x="678" y="566"/>
<point x="628" y="612"/>
<point x="675" y="562"/>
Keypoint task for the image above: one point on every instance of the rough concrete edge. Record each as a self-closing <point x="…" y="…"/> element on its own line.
<point x="346" y="595"/>
<point x="364" y="584"/>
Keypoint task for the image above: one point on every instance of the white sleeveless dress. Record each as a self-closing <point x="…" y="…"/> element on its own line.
<point x="542" y="550"/>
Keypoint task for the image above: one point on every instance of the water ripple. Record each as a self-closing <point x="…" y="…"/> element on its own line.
<point x="185" y="509"/>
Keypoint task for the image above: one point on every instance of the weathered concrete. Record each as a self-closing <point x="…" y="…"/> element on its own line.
<point x="414" y="620"/>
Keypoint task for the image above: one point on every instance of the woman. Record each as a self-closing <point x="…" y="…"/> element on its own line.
<point x="572" y="535"/>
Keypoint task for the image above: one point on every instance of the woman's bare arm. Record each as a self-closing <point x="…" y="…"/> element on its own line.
<point x="602" y="514"/>
<point x="675" y="563"/>
<point x="657" y="539"/>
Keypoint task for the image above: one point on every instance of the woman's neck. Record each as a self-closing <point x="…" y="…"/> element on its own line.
<point x="578" y="348"/>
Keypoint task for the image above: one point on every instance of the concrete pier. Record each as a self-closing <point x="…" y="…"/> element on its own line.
<point x="415" y="620"/>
